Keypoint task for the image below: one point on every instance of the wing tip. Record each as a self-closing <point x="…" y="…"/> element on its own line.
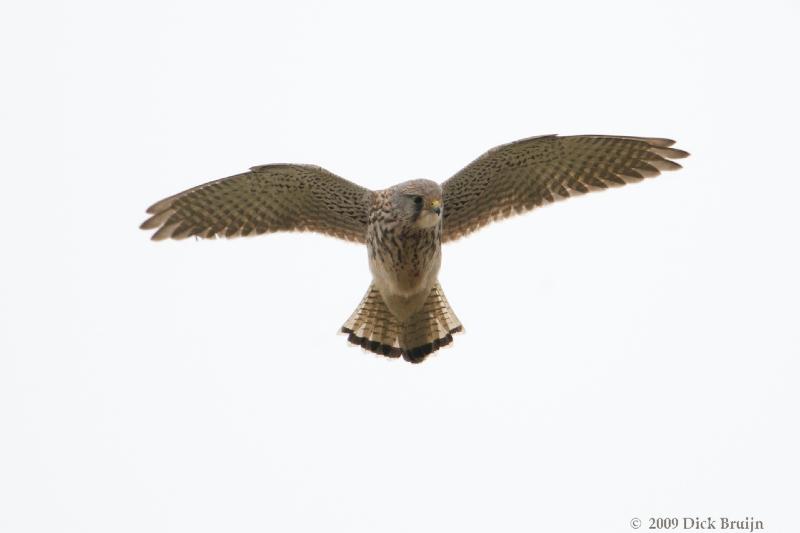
<point x="161" y="205"/>
<point x="661" y="142"/>
<point x="164" y="232"/>
<point x="671" y="153"/>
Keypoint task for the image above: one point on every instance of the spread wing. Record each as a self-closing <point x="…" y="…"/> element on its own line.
<point x="516" y="177"/>
<point x="269" y="198"/>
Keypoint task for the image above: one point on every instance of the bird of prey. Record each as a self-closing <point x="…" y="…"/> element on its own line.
<point x="404" y="312"/>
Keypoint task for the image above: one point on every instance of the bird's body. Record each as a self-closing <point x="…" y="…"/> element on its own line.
<point x="405" y="312"/>
<point x="404" y="255"/>
<point x="402" y="312"/>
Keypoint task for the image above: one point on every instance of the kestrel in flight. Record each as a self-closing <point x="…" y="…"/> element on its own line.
<point x="405" y="312"/>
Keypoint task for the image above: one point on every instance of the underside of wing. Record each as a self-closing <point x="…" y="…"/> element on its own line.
<point x="519" y="176"/>
<point x="266" y="199"/>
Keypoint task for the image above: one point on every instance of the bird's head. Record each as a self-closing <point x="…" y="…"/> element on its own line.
<point x="419" y="202"/>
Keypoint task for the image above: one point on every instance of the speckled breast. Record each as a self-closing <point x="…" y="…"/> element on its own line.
<point x="404" y="261"/>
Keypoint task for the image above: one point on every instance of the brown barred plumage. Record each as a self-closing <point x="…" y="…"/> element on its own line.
<point x="404" y="312"/>
<point x="373" y="327"/>
<point x="269" y="198"/>
<point x="516" y="177"/>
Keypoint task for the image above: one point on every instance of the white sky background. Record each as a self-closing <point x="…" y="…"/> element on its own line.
<point x="628" y="354"/>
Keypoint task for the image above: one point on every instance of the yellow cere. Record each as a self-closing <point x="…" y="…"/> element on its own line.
<point x="436" y="203"/>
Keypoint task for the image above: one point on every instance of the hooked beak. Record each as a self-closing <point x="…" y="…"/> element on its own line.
<point x="436" y="207"/>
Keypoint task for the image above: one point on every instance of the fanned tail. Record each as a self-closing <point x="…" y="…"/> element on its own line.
<point x="373" y="327"/>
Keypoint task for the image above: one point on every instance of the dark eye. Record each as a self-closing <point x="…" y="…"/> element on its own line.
<point x="418" y="200"/>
